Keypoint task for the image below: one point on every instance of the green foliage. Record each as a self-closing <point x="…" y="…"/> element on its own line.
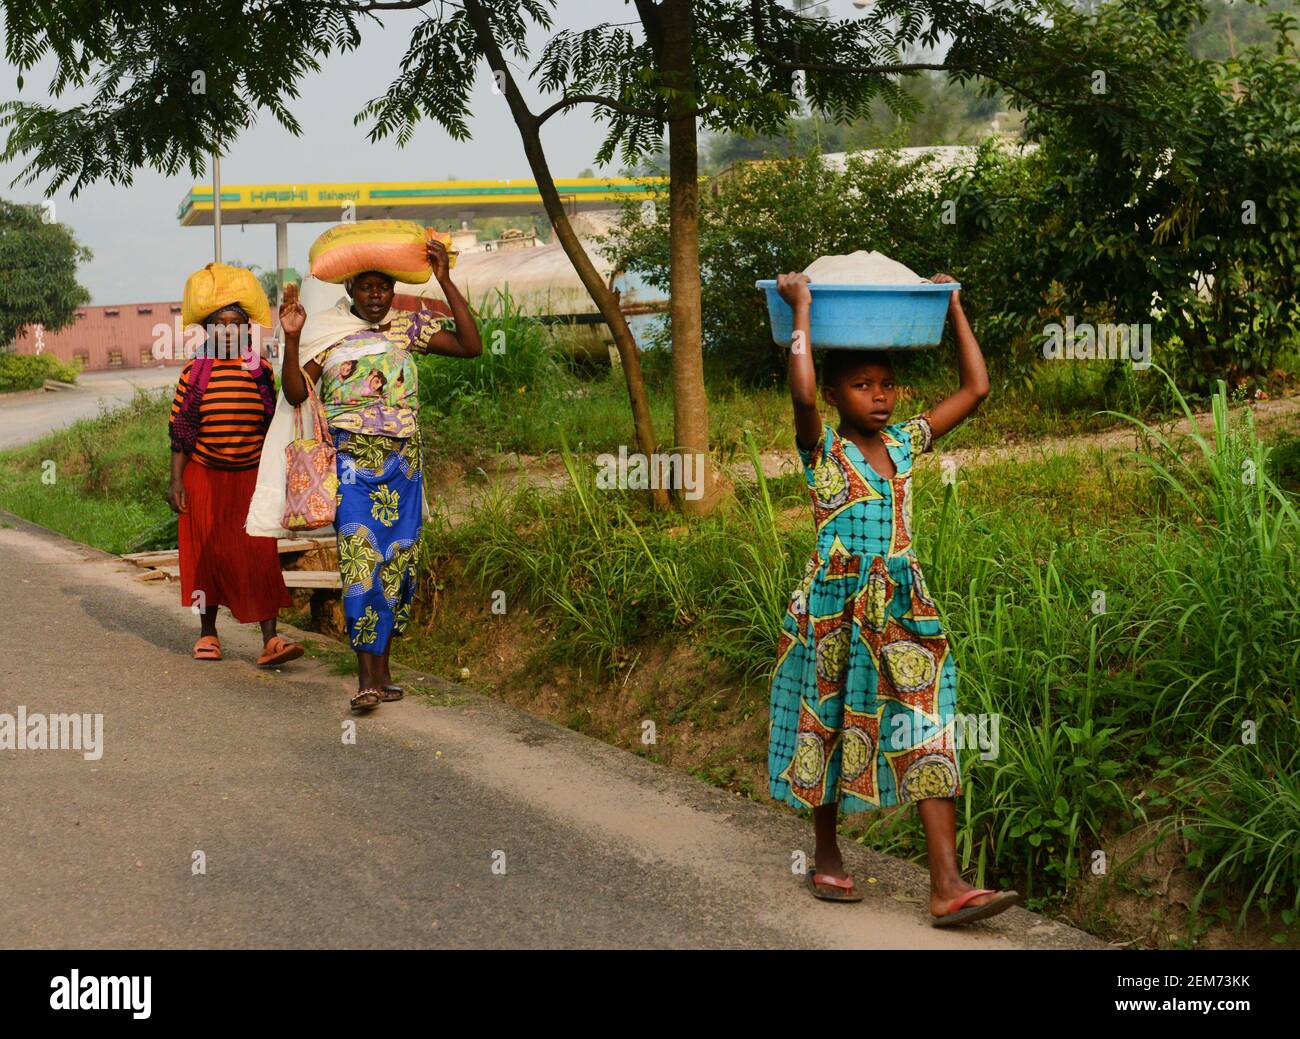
<point x="780" y="216"/>
<point x="1233" y="26"/>
<point x="1167" y="200"/>
<point x="179" y="93"/>
<point x="945" y="111"/>
<point x="29" y="371"/>
<point x="519" y="353"/>
<point x="107" y="485"/>
<point x="1172" y="201"/>
<point x="755" y="64"/>
<point x="38" y="272"/>
<point x="1241" y="814"/>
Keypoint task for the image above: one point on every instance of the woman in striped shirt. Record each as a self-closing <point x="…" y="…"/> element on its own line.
<point x="223" y="405"/>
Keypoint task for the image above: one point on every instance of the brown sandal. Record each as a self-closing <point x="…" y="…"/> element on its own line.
<point x="391" y="693"/>
<point x="366" y="700"/>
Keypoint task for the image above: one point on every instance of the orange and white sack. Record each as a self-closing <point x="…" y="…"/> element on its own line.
<point x="392" y="247"/>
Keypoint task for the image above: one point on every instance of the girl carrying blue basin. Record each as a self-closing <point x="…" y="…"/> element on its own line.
<point x="864" y="693"/>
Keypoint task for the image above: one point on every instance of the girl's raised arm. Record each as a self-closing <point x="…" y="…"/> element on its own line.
<point x="803" y="378"/>
<point x="952" y="411"/>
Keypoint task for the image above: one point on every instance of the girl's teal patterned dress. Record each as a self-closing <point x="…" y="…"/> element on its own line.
<point x="864" y="693"/>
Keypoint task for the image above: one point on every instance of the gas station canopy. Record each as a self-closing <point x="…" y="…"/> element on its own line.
<point x="428" y="201"/>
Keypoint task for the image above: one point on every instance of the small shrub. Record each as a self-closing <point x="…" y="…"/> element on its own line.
<point x="29" y="371"/>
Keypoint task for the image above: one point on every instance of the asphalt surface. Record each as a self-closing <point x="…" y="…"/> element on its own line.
<point x="25" y="417"/>
<point x="453" y="821"/>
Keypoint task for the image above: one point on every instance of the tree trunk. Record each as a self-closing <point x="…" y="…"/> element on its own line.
<point x="605" y="300"/>
<point x="690" y="403"/>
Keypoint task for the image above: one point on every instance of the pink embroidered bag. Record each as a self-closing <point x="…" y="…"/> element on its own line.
<point x="311" y="475"/>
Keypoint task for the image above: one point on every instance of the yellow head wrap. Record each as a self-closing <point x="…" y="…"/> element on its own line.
<point x="219" y="285"/>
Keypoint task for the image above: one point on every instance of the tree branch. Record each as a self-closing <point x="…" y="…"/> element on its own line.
<point x="380" y="5"/>
<point x="772" y="58"/>
<point x="529" y="126"/>
<point x="596" y="99"/>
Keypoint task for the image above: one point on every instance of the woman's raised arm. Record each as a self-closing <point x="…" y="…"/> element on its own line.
<point x="292" y="379"/>
<point x="465" y="341"/>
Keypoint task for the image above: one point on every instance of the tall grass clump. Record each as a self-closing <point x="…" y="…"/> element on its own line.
<point x="518" y="351"/>
<point x="614" y="573"/>
<point x="1228" y="665"/>
<point x="1045" y="672"/>
<point x="1240" y="812"/>
<point x="1228" y="622"/>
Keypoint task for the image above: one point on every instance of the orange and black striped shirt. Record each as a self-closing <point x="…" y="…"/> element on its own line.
<point x="231" y="416"/>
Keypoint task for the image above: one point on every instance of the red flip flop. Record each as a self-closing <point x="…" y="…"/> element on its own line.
<point x="847" y="892"/>
<point x="1003" y="901"/>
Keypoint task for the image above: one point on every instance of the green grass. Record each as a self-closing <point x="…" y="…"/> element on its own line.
<point x="1100" y="708"/>
<point x="101" y="481"/>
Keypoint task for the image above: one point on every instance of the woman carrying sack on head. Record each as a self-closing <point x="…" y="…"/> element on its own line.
<point x="219" y="417"/>
<point x="361" y="353"/>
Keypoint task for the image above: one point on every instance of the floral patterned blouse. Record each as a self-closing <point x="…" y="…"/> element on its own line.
<point x="369" y="379"/>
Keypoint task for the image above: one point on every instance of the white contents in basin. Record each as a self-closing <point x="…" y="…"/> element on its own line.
<point x="861" y="268"/>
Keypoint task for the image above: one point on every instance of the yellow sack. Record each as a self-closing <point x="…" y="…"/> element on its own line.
<point x="219" y="285"/>
<point x="392" y="247"/>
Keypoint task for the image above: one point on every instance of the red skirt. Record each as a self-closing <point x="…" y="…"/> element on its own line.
<point x="217" y="557"/>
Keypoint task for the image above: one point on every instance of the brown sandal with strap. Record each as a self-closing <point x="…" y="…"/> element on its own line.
<point x="391" y="693"/>
<point x="366" y="700"/>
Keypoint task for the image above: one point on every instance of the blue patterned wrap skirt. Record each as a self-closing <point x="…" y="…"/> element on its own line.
<point x="379" y="520"/>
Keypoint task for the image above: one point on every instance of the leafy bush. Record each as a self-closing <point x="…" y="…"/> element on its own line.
<point x="29" y="371"/>
<point x="760" y="220"/>
<point x="1168" y="199"/>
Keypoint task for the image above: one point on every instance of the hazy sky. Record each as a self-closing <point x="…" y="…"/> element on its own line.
<point x="142" y="253"/>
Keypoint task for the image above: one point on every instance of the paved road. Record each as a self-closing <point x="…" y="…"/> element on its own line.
<point x="386" y="843"/>
<point x="25" y="417"/>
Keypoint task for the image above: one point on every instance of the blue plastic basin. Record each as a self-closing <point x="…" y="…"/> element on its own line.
<point x="865" y="317"/>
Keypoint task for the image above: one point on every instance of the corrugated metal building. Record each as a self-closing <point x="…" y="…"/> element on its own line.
<point x="120" y="335"/>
